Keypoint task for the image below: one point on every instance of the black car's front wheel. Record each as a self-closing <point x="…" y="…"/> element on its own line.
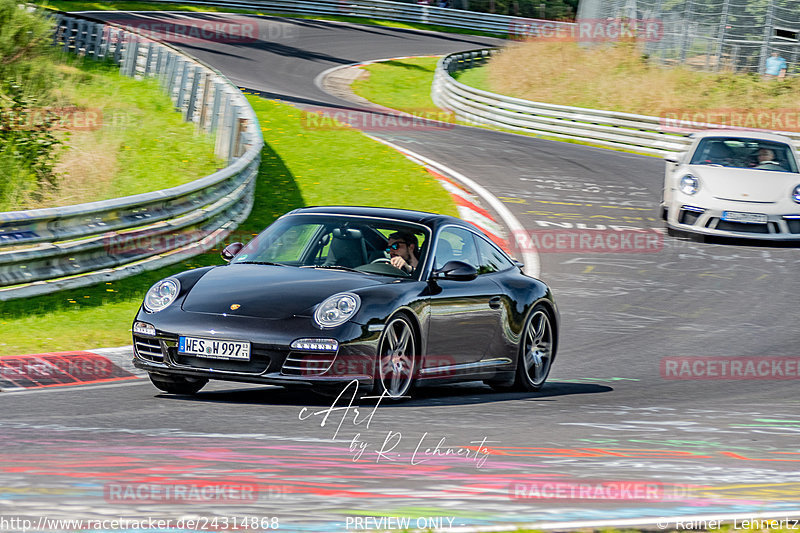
<point x="537" y="350"/>
<point x="397" y="357"/>
<point x="178" y="384"/>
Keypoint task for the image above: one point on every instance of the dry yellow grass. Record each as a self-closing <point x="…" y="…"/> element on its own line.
<point x="86" y="168"/>
<point x="618" y="78"/>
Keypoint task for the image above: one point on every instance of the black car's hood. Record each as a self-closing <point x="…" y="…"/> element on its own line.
<point x="266" y="291"/>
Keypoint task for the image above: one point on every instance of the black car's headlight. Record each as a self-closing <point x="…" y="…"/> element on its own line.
<point x="796" y="194"/>
<point x="161" y="295"/>
<point x="689" y="184"/>
<point x="337" y="310"/>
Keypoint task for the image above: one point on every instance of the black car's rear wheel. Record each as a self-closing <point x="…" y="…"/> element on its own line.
<point x="178" y="384"/>
<point x="537" y="348"/>
<point x="397" y="356"/>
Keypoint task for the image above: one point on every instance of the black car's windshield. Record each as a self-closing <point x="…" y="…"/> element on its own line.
<point x="739" y="152"/>
<point x="341" y="243"/>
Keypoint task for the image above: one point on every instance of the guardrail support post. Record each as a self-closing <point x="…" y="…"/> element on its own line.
<point x="169" y="72"/>
<point x="182" y="86"/>
<point x="177" y="66"/>
<point x="149" y="59"/>
<point x="120" y="36"/>
<point x="236" y="124"/>
<point x="225" y="129"/>
<point x="215" y="109"/>
<point x="68" y="34"/>
<point x="198" y="75"/>
<point x="203" y="120"/>
<point x="159" y="67"/>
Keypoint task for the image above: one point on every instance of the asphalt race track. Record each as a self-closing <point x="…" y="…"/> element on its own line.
<point x="622" y="431"/>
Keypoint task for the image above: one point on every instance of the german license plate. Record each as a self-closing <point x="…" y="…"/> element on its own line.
<point x="746" y="218"/>
<point x="214" y="348"/>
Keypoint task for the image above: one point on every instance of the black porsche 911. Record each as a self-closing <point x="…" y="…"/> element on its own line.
<point x="327" y="295"/>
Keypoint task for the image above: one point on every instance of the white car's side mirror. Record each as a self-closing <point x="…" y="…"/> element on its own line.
<point x="671" y="159"/>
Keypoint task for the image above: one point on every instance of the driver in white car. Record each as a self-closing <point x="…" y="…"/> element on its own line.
<point x="402" y="249"/>
<point x="766" y="159"/>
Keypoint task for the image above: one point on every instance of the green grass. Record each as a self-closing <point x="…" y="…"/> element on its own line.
<point x="300" y="166"/>
<point x="399" y="84"/>
<point x="81" y="5"/>
<point x="139" y="136"/>
<point x="477" y="77"/>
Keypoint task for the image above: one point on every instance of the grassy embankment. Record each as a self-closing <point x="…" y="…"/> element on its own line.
<point x="615" y="78"/>
<point x="300" y="166"/>
<point x="82" y="5"/>
<point x="119" y="137"/>
<point x="618" y="78"/>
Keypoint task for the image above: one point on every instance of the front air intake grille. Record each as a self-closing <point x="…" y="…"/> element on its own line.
<point x="687" y="216"/>
<point x="743" y="228"/>
<point x="259" y="363"/>
<point x="794" y="225"/>
<point x="148" y="348"/>
<point x="307" y="363"/>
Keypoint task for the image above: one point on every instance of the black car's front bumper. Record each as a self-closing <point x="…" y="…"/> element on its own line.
<point x="272" y="360"/>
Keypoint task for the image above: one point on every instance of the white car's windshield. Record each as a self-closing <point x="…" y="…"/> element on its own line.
<point x="739" y="152"/>
<point x="340" y="242"/>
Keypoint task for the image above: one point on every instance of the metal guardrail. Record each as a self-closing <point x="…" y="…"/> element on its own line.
<point x="628" y="131"/>
<point x="47" y="250"/>
<point x="384" y="10"/>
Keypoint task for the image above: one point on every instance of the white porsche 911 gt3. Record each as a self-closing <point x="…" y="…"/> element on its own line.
<point x="736" y="184"/>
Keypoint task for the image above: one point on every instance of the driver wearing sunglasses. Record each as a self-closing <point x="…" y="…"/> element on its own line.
<point x="402" y="250"/>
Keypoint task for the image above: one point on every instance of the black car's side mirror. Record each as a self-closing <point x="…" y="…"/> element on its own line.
<point x="231" y="250"/>
<point x="456" y="271"/>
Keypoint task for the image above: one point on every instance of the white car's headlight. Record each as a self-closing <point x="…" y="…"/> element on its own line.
<point x="796" y="194"/>
<point x="161" y="295"/>
<point x="689" y="184"/>
<point x="337" y="310"/>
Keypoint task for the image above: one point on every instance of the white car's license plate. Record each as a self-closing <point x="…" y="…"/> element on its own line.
<point x="214" y="348"/>
<point x="747" y="218"/>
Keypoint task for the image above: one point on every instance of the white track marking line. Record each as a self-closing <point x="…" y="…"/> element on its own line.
<point x="75" y="388"/>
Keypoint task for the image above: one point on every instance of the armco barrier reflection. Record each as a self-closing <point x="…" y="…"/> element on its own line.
<point x="47" y="250"/>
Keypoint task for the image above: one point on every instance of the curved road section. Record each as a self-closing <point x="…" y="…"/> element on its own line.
<point x="673" y="395"/>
